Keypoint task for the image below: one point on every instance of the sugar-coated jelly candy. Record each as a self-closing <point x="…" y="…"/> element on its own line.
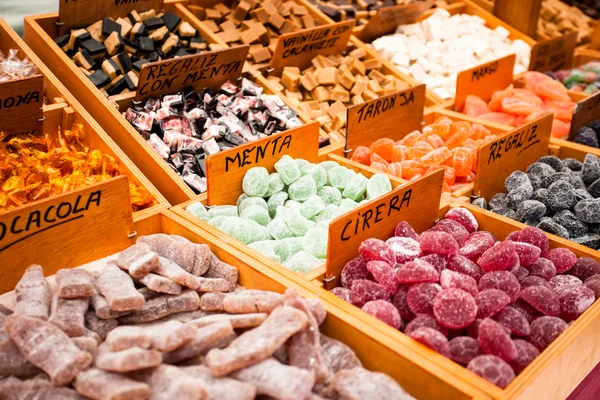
<point x="494" y="340"/>
<point x="432" y="339"/>
<point x="493" y="369"/>
<point x="454" y="308"/>
<point x="383" y="311"/>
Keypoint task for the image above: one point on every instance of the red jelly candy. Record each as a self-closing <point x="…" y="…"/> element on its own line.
<point x="574" y="300"/>
<point x="405" y="249"/>
<point x="463" y="217"/>
<point x="437" y="260"/>
<point x="593" y="283"/>
<point x="403" y="229"/>
<point x="355" y="269"/>
<point x="543" y="268"/>
<point x="463" y="349"/>
<point x="564" y="280"/>
<point x="417" y="271"/>
<point x="400" y="302"/>
<point x="450" y="279"/>
<point x="432" y="339"/>
<point x="420" y="298"/>
<point x="384" y="275"/>
<point x="427" y="322"/>
<point x="454" y="308"/>
<point x="534" y="281"/>
<point x="513" y="236"/>
<point x="527" y="253"/>
<point x="342" y="293"/>
<point x="477" y="244"/>
<point x="513" y="320"/>
<point x="544" y="330"/>
<point x="526" y="354"/>
<point x="490" y="302"/>
<point x="494" y="340"/>
<point x="520" y="273"/>
<point x="500" y="257"/>
<point x="383" y="311"/>
<point x="462" y="264"/>
<point x="473" y="329"/>
<point x="502" y="280"/>
<point x="585" y="267"/>
<point x="439" y="243"/>
<point x="542" y="299"/>
<point x="562" y="258"/>
<point x="536" y="237"/>
<point x="363" y="291"/>
<point x="458" y="232"/>
<point x="530" y="313"/>
<point x="492" y="369"/>
<point x="377" y="250"/>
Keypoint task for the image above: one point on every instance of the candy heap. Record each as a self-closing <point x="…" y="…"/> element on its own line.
<point x="588" y="135"/>
<point x="517" y="106"/>
<point x="186" y="127"/>
<point x="450" y="145"/>
<point x="558" y="196"/>
<point x="585" y="78"/>
<point x="188" y="332"/>
<point x="112" y="52"/>
<point x="558" y="19"/>
<point x="37" y="167"/>
<point x="285" y="215"/>
<point x="492" y="306"/>
<point x="590" y="7"/>
<point x="436" y="49"/>
<point x="12" y="68"/>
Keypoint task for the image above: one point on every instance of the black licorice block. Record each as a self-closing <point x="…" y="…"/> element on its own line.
<point x="182" y="52"/>
<point x="153" y="23"/>
<point x="111" y="68"/>
<point x="109" y="26"/>
<point x="171" y="21"/>
<point x="81" y="38"/>
<point x="62" y="41"/>
<point x="93" y="47"/>
<point x="125" y="62"/>
<point x="153" y="57"/>
<point x="138" y="30"/>
<point x="137" y="66"/>
<point x="117" y="87"/>
<point x="332" y="13"/>
<point x="99" y="78"/>
<point x="130" y="46"/>
<point x="129" y="84"/>
<point x="145" y="44"/>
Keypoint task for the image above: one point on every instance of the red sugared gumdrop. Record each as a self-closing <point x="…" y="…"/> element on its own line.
<point x="463" y="349"/>
<point x="417" y="271"/>
<point x="585" y="267"/>
<point x="342" y="293"/>
<point x="542" y="299"/>
<point x="527" y="253"/>
<point x="513" y="236"/>
<point x="562" y="258"/>
<point x="458" y="232"/>
<point x="385" y="275"/>
<point x="456" y="280"/>
<point x="463" y="265"/>
<point x="500" y="257"/>
<point x="574" y="300"/>
<point x="463" y="217"/>
<point x="439" y="243"/>
<point x="593" y="283"/>
<point x="526" y="354"/>
<point x="400" y="302"/>
<point x="492" y="369"/>
<point x="490" y="302"/>
<point x="530" y="313"/>
<point x="420" y="298"/>
<point x="439" y="261"/>
<point x="405" y="249"/>
<point x="494" y="340"/>
<point x="427" y="322"/>
<point x="477" y="244"/>
<point x="454" y="308"/>
<point x="544" y="330"/>
<point x="502" y="280"/>
<point x="534" y="281"/>
<point x="383" y="311"/>
<point x="543" y="268"/>
<point x="355" y="269"/>
<point x="363" y="291"/>
<point x="403" y="229"/>
<point x="473" y="329"/>
<point x="536" y="237"/>
<point x="513" y="320"/>
<point x="521" y="273"/>
<point x="564" y="280"/>
<point x="377" y="250"/>
<point x="432" y="339"/>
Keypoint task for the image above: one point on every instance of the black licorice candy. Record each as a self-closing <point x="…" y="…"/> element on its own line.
<point x="99" y="78"/>
<point x="62" y="41"/>
<point x="153" y="23"/>
<point x="94" y="47"/>
<point x="171" y="21"/>
<point x="109" y="26"/>
<point x="137" y="66"/>
<point x="124" y="62"/>
<point x="145" y="44"/>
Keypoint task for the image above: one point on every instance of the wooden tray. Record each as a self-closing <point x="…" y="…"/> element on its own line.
<point x="418" y="375"/>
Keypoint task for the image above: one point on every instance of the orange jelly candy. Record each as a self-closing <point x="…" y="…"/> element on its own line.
<point x="375" y="158"/>
<point x="379" y="166"/>
<point x="399" y="153"/>
<point x="362" y="155"/>
<point x="395" y="169"/>
<point x="383" y="147"/>
<point x="418" y="150"/>
<point x="435" y="157"/>
<point x="411" y="169"/>
<point x="411" y="138"/>
<point x="462" y="161"/>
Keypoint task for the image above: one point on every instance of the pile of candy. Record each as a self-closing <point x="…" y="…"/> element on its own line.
<point x="37" y="167"/>
<point x="558" y="19"/>
<point x="450" y="145"/>
<point x="186" y="127"/>
<point x="285" y="215"/>
<point x="517" y="106"/>
<point x="558" y="196"/>
<point x="492" y="306"/>
<point x="585" y="78"/>
<point x="590" y="7"/>
<point x="12" y="68"/>
<point x="188" y="332"/>
<point x="588" y="135"/>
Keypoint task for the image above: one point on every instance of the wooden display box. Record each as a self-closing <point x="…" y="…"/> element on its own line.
<point x="418" y="375"/>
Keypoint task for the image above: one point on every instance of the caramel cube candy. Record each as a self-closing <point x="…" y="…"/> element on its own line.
<point x="323" y="119"/>
<point x="372" y="63"/>
<point x="260" y="14"/>
<point x="347" y="80"/>
<point x="362" y="82"/>
<point x="290" y="80"/>
<point x="339" y="93"/>
<point x="308" y="22"/>
<point x="286" y="9"/>
<point x="262" y="55"/>
<point x="288" y="26"/>
<point x="263" y="34"/>
<point x="357" y="99"/>
<point x="211" y="25"/>
<point x="369" y="95"/>
<point x="230" y="36"/>
<point x="198" y="11"/>
<point x="275" y="81"/>
<point x="357" y="67"/>
<point x="327" y="76"/>
<point x="298" y="9"/>
<point x="213" y="14"/>
<point x="269" y="7"/>
<point x="377" y="76"/>
<point x="276" y="20"/>
<point x="249" y="37"/>
<point x="242" y="10"/>
<point x="375" y="87"/>
<point x="339" y="122"/>
<point x="308" y="81"/>
<point x="320" y="93"/>
<point x="222" y="8"/>
<point x="336" y="108"/>
<point x="227" y="25"/>
<point x="358" y="53"/>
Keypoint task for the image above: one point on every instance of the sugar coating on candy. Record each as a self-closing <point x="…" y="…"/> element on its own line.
<point x="317" y="172"/>
<point x="463" y="349"/>
<point x="303" y="188"/>
<point x="494" y="340"/>
<point x="520" y="273"/>
<point x="527" y="253"/>
<point x="458" y="232"/>
<point x="463" y="217"/>
<point x="400" y="301"/>
<point x="360" y="384"/>
<point x="403" y="229"/>
<point x="526" y="353"/>
<point x="515" y="180"/>
<point x="490" y="302"/>
<point x="439" y="261"/>
<point x="534" y="281"/>
<point x="542" y="299"/>
<point x="288" y="169"/>
<point x="377" y="250"/>
<point x="330" y="195"/>
<point x="339" y="177"/>
<point x="383" y="311"/>
<point x="545" y="330"/>
<point x="594" y="285"/>
<point x="502" y="280"/>
<point x="450" y="279"/>
<point x="363" y="291"/>
<point x="588" y="210"/>
<point x="132" y="359"/>
<point x="585" y="267"/>
<point x="463" y="265"/>
<point x="33" y="294"/>
<point x="561" y="196"/>
<point x="493" y="369"/>
<point x="417" y="271"/>
<point x="439" y="243"/>
<point x="341" y="292"/>
<point x="564" y="280"/>
<point x="355" y="269"/>
<point x="432" y="339"/>
<point x="385" y="275"/>
<point x="378" y="184"/>
<point x="74" y="283"/>
<point x="302" y="262"/>
<point x="97" y="384"/>
<point x="420" y="298"/>
<point x="68" y="314"/>
<point x="574" y="300"/>
<point x="315" y="242"/>
<point x="356" y="188"/>
<point x="454" y="308"/>
<point x="513" y="320"/>
<point x="405" y="249"/>
<point x="477" y="244"/>
<point x="425" y="321"/>
<point x="530" y="209"/>
<point x="500" y="257"/>
<point x="536" y="237"/>
<point x="118" y="289"/>
<point x="312" y="207"/>
<point x="543" y="267"/>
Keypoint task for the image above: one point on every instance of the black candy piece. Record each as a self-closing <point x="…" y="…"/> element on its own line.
<point x="152" y="57"/>
<point x="582" y="194"/>
<point x="561" y="196"/>
<point x="555" y="177"/>
<point x="506" y="212"/>
<point x="93" y="47"/>
<point x="595" y="125"/>
<point x="63" y="40"/>
<point x="129" y="83"/>
<point x="109" y="26"/>
<point x="137" y="66"/>
<point x="573" y="164"/>
<point x="519" y="194"/>
<point x="515" y="180"/>
<point x="480" y="202"/>
<point x="530" y="209"/>
<point x="587" y="136"/>
<point x="532" y="222"/>
<point x="594" y="189"/>
<point x="592" y="241"/>
<point x="498" y="201"/>
<point x="99" y="78"/>
<point x="117" y="87"/>
<point x="145" y="44"/>
<point x="154" y="23"/>
<point x="171" y="21"/>
<point x="552" y="161"/>
<point x="540" y="195"/>
<point x="82" y="38"/>
<point x="125" y="62"/>
<point x="181" y="52"/>
<point x="570" y="222"/>
<point x="548" y="225"/>
<point x="536" y="181"/>
<point x="540" y="169"/>
<point x="332" y="13"/>
<point x="591" y="168"/>
<point x="588" y="210"/>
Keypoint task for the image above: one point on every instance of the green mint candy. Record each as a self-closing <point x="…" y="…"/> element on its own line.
<point x="302" y="189"/>
<point x="256" y="182"/>
<point x="356" y="188"/>
<point x="288" y="170"/>
<point x="378" y="184"/>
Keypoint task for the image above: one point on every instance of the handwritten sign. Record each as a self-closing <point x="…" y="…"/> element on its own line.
<point x="205" y="70"/>
<point x="417" y="203"/>
<point x="21" y="104"/>
<point x="81" y="13"/>
<point x="586" y="111"/>
<point x="553" y="54"/>
<point x="484" y="80"/>
<point x="96" y="219"/>
<point x="514" y="151"/>
<point x="225" y="170"/>
<point x="299" y="48"/>
<point x="392" y="116"/>
<point x="388" y="19"/>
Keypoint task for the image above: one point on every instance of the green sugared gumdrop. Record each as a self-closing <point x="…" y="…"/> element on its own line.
<point x="378" y="184"/>
<point x="296" y="222"/>
<point x="324" y="224"/>
<point x="330" y="212"/>
<point x="275" y="184"/>
<point x="256" y="182"/>
<point x="258" y="232"/>
<point x="318" y="173"/>
<point x="327" y="165"/>
<point x="292" y="204"/>
<point x="252" y="201"/>
<point x="238" y="228"/>
<point x="278" y="229"/>
<point x="339" y="177"/>
<point x="276" y="200"/>
<point x="216" y="221"/>
<point x="302" y="189"/>
<point x="265" y="248"/>
<point x="288" y="170"/>
<point x="330" y="195"/>
<point x="257" y="214"/>
<point x="281" y="212"/>
<point x="311" y="207"/>
<point x="302" y="262"/>
<point x="225" y="211"/>
<point x="294" y="245"/>
<point x="315" y="242"/>
<point x="348" y="204"/>
<point x="301" y="162"/>
<point x="198" y="210"/>
<point x="356" y="188"/>
<point x="242" y="197"/>
<point x="280" y="248"/>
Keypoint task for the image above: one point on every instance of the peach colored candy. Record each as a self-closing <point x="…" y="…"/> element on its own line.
<point x="252" y="301"/>
<point x="205" y="338"/>
<point x="169" y="382"/>
<point x="118" y="289"/>
<point x="132" y="359"/>
<point x="68" y="315"/>
<point x="99" y="385"/>
<point x="73" y="283"/>
<point x="33" y="294"/>
<point x="138" y="260"/>
<point x="222" y="388"/>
